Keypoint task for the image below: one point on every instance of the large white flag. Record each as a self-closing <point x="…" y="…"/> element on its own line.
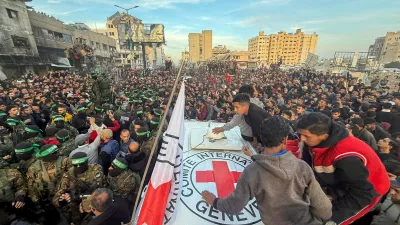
<point x="159" y="204"/>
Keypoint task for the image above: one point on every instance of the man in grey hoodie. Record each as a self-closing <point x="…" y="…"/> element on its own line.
<point x="285" y="188"/>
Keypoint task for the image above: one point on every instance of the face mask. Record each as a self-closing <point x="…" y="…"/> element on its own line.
<point x="50" y="158"/>
<point x="81" y="168"/>
<point x="115" y="172"/>
<point x="59" y="124"/>
<point x="23" y="156"/>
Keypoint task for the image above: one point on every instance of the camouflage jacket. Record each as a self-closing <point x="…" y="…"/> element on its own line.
<point x="12" y="185"/>
<point x="6" y="141"/>
<point x="147" y="145"/>
<point x="125" y="185"/>
<point x="81" y="184"/>
<point x="39" y="187"/>
<point x="22" y="166"/>
<point x="72" y="131"/>
<point x="36" y="142"/>
<point x="67" y="147"/>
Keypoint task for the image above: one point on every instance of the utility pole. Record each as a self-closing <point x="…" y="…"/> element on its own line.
<point x="130" y="30"/>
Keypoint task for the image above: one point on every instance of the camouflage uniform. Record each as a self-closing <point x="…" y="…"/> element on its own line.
<point x="23" y="165"/>
<point x="147" y="145"/>
<point x="76" y="186"/>
<point x="12" y="184"/>
<point x="36" y="142"/>
<point x="96" y="94"/>
<point x="6" y="141"/>
<point x="72" y="131"/>
<point x="39" y="187"/>
<point x="67" y="147"/>
<point x="125" y="185"/>
<point x="12" y="188"/>
<point x="105" y="90"/>
<point x="18" y="129"/>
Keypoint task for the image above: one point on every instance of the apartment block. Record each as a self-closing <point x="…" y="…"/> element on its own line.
<point x="291" y="48"/>
<point x="391" y="48"/>
<point x="200" y="46"/>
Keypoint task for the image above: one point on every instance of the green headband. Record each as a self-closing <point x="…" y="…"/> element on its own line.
<point x="62" y="138"/>
<point x="79" y="160"/>
<point x="47" y="152"/>
<point x="36" y="147"/>
<point x="23" y="150"/>
<point x="58" y="118"/>
<point x="27" y="129"/>
<point x="13" y="120"/>
<point x="119" y="164"/>
<point x="154" y="122"/>
<point x="143" y="133"/>
<point x="81" y="109"/>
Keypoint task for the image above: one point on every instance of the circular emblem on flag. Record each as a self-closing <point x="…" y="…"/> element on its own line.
<point x="217" y="172"/>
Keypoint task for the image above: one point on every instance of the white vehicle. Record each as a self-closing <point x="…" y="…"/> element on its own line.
<point x="212" y="164"/>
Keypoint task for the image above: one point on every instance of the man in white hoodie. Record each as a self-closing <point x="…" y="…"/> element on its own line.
<point x="285" y="188"/>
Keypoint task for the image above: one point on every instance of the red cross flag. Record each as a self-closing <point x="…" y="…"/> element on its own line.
<point x="159" y="203"/>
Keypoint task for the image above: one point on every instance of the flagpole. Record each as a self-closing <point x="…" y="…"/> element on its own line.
<point x="156" y="141"/>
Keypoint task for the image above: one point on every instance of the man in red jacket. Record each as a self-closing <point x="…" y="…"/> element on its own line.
<point x="346" y="167"/>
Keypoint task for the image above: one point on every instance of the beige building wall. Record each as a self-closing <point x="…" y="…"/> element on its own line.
<point x="391" y="48"/>
<point x="200" y="46"/>
<point x="241" y="57"/>
<point x="185" y="55"/>
<point x="206" y="50"/>
<point x="194" y="47"/>
<point x="291" y="48"/>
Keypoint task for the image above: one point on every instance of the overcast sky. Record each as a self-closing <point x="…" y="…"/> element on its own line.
<point x="342" y="25"/>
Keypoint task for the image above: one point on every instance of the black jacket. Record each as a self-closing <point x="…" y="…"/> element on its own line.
<point x="384" y="117"/>
<point x="191" y="113"/>
<point x="395" y="125"/>
<point x="379" y="133"/>
<point x="120" y="211"/>
<point x="137" y="162"/>
<point x="254" y="118"/>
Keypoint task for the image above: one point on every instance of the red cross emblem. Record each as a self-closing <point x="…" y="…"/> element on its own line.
<point x="222" y="176"/>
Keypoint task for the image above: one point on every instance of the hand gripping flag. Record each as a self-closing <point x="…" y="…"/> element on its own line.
<point x="159" y="203"/>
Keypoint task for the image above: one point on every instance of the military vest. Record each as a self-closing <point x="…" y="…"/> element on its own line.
<point x="82" y="182"/>
<point x="6" y="190"/>
<point x="49" y="187"/>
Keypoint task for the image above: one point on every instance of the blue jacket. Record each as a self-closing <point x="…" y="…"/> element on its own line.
<point x="111" y="147"/>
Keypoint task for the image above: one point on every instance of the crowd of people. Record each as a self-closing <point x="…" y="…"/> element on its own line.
<point x="71" y="144"/>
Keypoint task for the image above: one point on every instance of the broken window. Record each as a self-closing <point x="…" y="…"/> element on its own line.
<point x="12" y="13"/>
<point x="20" y="42"/>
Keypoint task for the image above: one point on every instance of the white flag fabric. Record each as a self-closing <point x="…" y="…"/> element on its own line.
<point x="159" y="204"/>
